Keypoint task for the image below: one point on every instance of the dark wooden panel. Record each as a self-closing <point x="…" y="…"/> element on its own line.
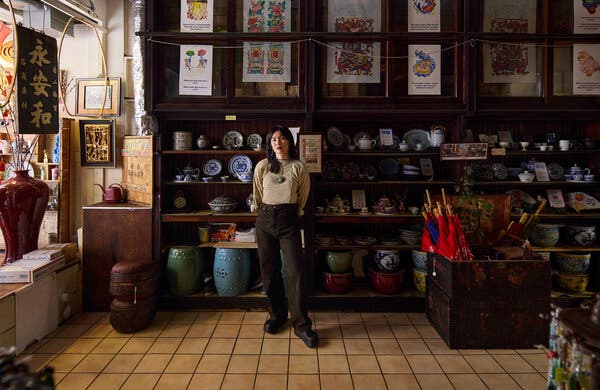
<point x="111" y="235"/>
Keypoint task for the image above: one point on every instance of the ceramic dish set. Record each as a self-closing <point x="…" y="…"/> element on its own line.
<point x="239" y="166"/>
<point x="385" y="168"/>
<point x="487" y="171"/>
<point x="232" y="140"/>
<point x="416" y="140"/>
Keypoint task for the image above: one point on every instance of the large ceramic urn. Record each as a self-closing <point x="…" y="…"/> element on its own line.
<point x="23" y="202"/>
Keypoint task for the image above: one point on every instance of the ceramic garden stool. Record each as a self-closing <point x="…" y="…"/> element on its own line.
<point x="133" y="286"/>
<point x="231" y="271"/>
<point x="184" y="269"/>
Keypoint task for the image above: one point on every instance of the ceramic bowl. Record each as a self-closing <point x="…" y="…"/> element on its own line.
<point x="387" y="259"/>
<point x="222" y="205"/>
<point x="581" y="235"/>
<point x="544" y="235"/>
<point x="339" y="262"/>
<point x="338" y="283"/>
<point x="386" y="282"/>
<point x="574" y="263"/>
<point x="419" y="260"/>
<point x="572" y="282"/>
<point x="526" y="177"/>
<point x="420" y="280"/>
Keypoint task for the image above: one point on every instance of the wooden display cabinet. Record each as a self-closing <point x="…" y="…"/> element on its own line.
<point x="309" y="101"/>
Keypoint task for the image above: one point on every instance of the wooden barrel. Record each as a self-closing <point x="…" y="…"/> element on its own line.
<point x="128" y="317"/>
<point x="131" y="281"/>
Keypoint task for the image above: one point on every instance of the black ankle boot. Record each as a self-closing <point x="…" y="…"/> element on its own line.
<point x="309" y="337"/>
<point x="272" y="325"/>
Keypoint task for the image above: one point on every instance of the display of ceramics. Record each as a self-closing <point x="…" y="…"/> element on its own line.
<point x="335" y="136"/>
<point x="555" y="171"/>
<point x="572" y="282"/>
<point x="417" y="136"/>
<point x="420" y="280"/>
<point x="419" y="259"/>
<point x="387" y="259"/>
<point x="500" y="171"/>
<point x="360" y="134"/>
<point x="364" y="240"/>
<point x="339" y="262"/>
<point x="580" y="201"/>
<point x="240" y="163"/>
<point x="254" y="141"/>
<point x="233" y="140"/>
<point x="212" y="167"/>
<point x="388" y="167"/>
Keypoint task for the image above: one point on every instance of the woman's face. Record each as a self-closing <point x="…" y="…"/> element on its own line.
<point x="280" y="145"/>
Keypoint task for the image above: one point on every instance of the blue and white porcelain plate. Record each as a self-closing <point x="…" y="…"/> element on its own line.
<point x="240" y="163"/>
<point x="254" y="141"/>
<point x="212" y="167"/>
<point x="233" y="140"/>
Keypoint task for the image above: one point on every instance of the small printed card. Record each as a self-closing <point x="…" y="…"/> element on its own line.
<point x="358" y="199"/>
<point x="386" y="137"/>
<point x="555" y="198"/>
<point x="541" y="173"/>
<point x="426" y="166"/>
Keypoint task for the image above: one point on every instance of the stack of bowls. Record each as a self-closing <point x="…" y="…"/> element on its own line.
<point x="420" y="270"/>
<point x="411" y="170"/>
<point x="573" y="271"/>
<point x="338" y="283"/>
<point x="410" y="236"/>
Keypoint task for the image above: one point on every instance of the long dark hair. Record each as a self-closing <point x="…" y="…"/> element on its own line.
<point x="287" y="134"/>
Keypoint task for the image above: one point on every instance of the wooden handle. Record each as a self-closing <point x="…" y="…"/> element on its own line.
<point x="428" y="197"/>
<point x="444" y="197"/>
<point x="540" y="207"/>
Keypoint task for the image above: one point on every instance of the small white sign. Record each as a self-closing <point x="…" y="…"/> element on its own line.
<point x="195" y="70"/>
<point x="586" y="69"/>
<point x="423" y="16"/>
<point x="424" y="64"/>
<point x="556" y="198"/>
<point x="586" y="18"/>
<point x="541" y="173"/>
<point x="358" y="199"/>
<point x="196" y="16"/>
<point x="386" y="137"/>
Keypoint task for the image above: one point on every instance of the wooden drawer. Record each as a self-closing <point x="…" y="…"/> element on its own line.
<point x="489" y="277"/>
<point x="7" y="338"/>
<point x="7" y="313"/>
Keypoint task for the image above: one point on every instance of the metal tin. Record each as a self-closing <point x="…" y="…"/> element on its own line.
<point x="182" y="140"/>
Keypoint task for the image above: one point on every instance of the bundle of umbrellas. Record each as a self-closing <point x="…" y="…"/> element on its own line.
<point x="442" y="233"/>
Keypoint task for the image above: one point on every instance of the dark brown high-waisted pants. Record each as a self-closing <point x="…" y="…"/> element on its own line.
<point x="278" y="229"/>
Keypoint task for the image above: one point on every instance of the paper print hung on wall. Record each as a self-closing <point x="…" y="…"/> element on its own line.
<point x="586" y="16"/>
<point x="424" y="64"/>
<point x="509" y="63"/>
<point x="267" y="61"/>
<point x="196" y="16"/>
<point x="586" y="69"/>
<point x="354" y="62"/>
<point x="424" y="15"/>
<point x="195" y="70"/>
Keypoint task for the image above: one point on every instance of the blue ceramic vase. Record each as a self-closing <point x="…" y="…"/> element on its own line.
<point x="231" y="271"/>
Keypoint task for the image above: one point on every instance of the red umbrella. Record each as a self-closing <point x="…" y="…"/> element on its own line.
<point x="462" y="244"/>
<point x="444" y="245"/>
<point x="426" y="242"/>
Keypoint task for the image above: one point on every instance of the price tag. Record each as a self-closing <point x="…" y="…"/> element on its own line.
<point x="230" y="117"/>
<point x="498" y="152"/>
<point x="358" y="199"/>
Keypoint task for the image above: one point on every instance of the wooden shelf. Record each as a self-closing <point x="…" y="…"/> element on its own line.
<point x="208" y="216"/>
<point x="560" y="183"/>
<point x="566" y="248"/>
<point x="230" y="245"/>
<point x="370" y="218"/>
<point x="212" y="182"/>
<point x="213" y="151"/>
<point x="567" y="215"/>
<point x="379" y="153"/>
<point x="367" y="247"/>
<point x="387" y="182"/>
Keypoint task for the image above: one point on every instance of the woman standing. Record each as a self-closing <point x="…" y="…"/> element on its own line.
<point x="281" y="188"/>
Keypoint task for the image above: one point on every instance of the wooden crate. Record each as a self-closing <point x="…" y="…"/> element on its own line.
<point x="488" y="303"/>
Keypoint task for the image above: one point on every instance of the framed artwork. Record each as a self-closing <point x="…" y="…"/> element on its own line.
<point x="464" y="151"/>
<point x="556" y="200"/>
<point x="310" y="151"/>
<point x="90" y="93"/>
<point x="97" y="139"/>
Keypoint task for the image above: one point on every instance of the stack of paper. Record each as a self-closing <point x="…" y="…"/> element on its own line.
<point x="28" y="271"/>
<point x="43" y="254"/>
<point x="245" y="235"/>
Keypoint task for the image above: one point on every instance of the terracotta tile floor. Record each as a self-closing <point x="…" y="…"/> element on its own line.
<point x="229" y="350"/>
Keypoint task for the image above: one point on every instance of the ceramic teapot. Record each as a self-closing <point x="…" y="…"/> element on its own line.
<point x="575" y="170"/>
<point x="338" y="204"/>
<point x="365" y="142"/>
<point x="189" y="171"/>
<point x="529" y="165"/>
<point x="437" y="135"/>
<point x="113" y="193"/>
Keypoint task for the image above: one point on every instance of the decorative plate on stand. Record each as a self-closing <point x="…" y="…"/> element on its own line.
<point x="233" y="140"/>
<point x="240" y="163"/>
<point x="212" y="167"/>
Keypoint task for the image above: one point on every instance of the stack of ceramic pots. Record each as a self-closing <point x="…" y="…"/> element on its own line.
<point x="339" y="275"/>
<point x="419" y="270"/>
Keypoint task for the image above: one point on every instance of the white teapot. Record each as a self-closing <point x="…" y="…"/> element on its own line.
<point x="437" y="135"/>
<point x="365" y="142"/>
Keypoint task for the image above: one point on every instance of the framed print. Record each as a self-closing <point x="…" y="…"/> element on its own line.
<point x="464" y="151"/>
<point x="309" y="150"/>
<point x="97" y="139"/>
<point x="556" y="200"/>
<point x="90" y="93"/>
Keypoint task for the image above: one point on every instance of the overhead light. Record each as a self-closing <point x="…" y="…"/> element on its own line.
<point x="78" y="11"/>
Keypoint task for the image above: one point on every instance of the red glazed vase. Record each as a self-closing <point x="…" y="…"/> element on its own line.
<point x="23" y="202"/>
